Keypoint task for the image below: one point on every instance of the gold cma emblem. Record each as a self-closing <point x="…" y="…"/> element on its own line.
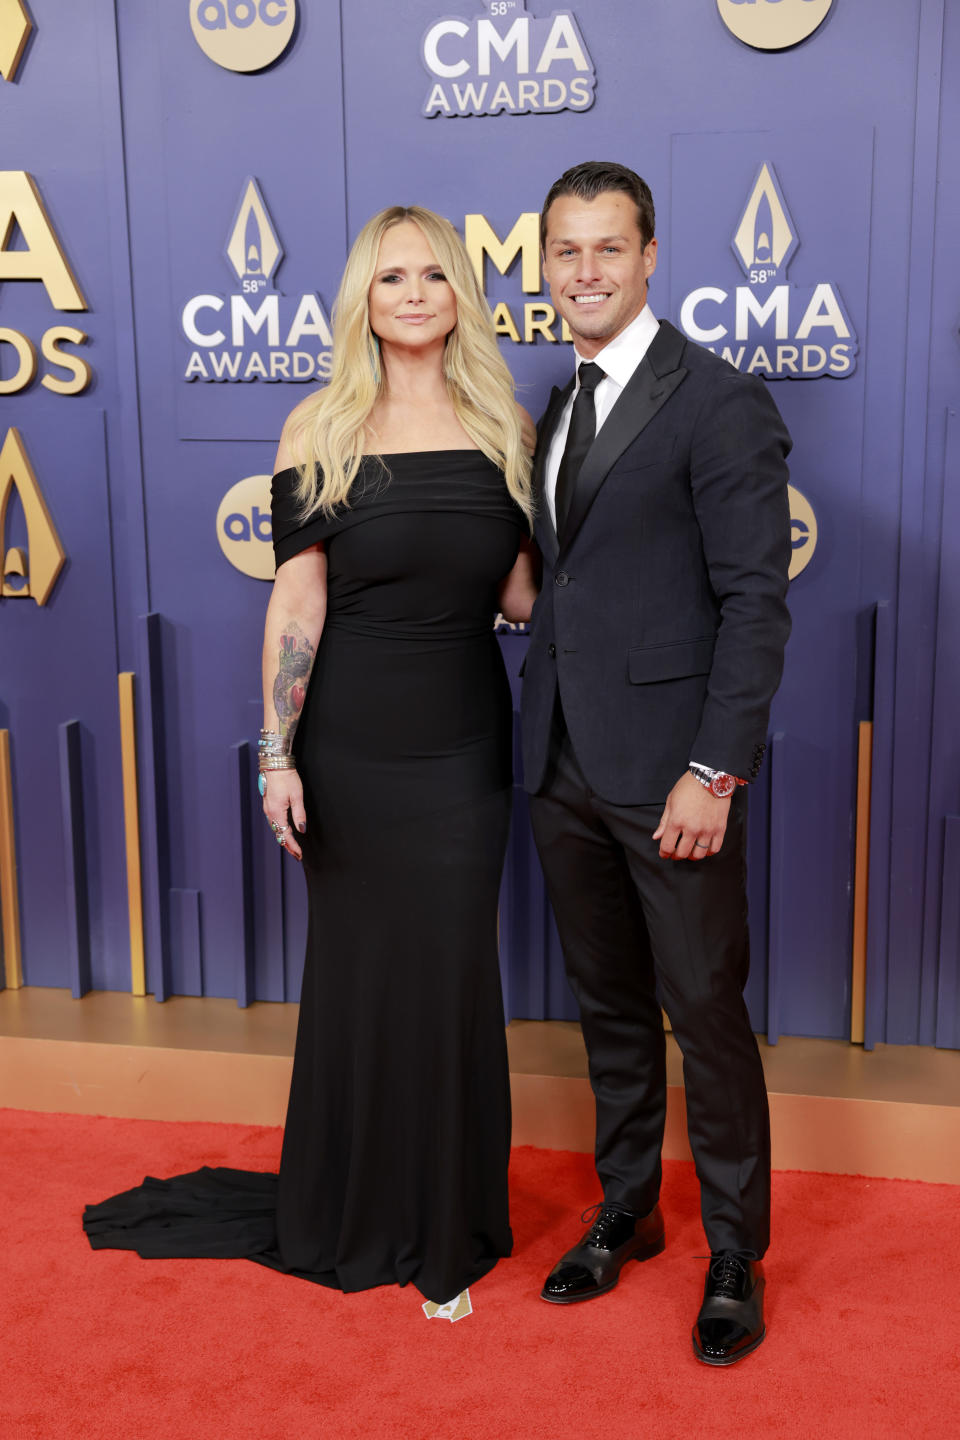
<point x="253" y="248"/>
<point x="22" y="576"/>
<point x="456" y="1309"/>
<point x="764" y="235"/>
<point x="15" y="28"/>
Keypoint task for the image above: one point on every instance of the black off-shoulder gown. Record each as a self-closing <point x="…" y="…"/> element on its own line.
<point x="395" y="1152"/>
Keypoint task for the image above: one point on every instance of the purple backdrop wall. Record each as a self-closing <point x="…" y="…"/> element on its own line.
<point x="851" y="312"/>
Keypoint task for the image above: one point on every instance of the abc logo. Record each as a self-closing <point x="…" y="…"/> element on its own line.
<point x="243" y="527"/>
<point x="772" y="24"/>
<point x="243" y="34"/>
<point x="803" y="531"/>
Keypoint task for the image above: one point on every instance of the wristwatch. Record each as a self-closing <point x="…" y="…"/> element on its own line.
<point x="718" y="782"/>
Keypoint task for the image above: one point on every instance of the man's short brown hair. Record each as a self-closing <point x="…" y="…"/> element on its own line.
<point x="591" y="179"/>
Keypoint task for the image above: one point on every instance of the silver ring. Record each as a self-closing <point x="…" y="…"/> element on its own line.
<point x="697" y="845"/>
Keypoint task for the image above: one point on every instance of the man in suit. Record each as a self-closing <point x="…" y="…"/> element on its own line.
<point x="656" y="647"/>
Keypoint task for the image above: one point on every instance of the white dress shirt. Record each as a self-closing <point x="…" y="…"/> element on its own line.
<point x="618" y="360"/>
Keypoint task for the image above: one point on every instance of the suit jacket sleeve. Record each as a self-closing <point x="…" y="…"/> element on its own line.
<point x="738" y="477"/>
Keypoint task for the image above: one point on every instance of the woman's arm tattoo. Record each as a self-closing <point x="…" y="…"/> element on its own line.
<point x="290" y="686"/>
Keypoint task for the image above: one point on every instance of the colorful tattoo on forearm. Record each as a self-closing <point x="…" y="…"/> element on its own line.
<point x="290" y="686"/>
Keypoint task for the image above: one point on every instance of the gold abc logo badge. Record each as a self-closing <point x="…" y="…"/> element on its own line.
<point x="243" y="527"/>
<point x="803" y="531"/>
<point x="772" y="24"/>
<point x="243" y="35"/>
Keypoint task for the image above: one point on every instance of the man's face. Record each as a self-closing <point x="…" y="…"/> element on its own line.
<point x="597" y="266"/>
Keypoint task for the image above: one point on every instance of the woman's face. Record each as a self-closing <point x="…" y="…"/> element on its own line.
<point x="410" y="300"/>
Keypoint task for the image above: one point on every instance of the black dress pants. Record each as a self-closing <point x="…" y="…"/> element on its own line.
<point x="630" y="922"/>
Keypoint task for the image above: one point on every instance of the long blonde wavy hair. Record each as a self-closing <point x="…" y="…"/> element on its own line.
<point x="327" y="431"/>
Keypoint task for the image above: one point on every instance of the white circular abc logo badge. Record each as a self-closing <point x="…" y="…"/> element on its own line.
<point x="243" y="35"/>
<point x="803" y="531"/>
<point x="244" y="529"/>
<point x="772" y="24"/>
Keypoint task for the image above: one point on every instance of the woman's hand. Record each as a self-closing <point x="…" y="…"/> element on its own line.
<point x="282" y="800"/>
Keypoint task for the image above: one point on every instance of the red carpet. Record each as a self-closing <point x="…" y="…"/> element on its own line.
<point x="863" y="1280"/>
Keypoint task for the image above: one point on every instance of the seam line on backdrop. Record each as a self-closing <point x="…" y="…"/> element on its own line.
<point x="343" y="131"/>
<point x="135" y="360"/>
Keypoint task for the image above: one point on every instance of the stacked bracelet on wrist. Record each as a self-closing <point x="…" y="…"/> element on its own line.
<point x="273" y="752"/>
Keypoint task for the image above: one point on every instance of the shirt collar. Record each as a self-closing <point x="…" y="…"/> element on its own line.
<point x="621" y="357"/>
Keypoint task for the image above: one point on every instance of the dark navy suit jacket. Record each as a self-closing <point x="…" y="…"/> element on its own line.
<point x="662" y="617"/>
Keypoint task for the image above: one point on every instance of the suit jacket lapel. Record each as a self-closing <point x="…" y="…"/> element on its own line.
<point x="649" y="388"/>
<point x="547" y="534"/>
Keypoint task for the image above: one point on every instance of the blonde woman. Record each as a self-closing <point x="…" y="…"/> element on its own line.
<point x="401" y="523"/>
<point x="401" y="516"/>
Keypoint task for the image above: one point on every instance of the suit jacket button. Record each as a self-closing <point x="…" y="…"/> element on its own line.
<point x="552" y="651"/>
<point x="561" y="578"/>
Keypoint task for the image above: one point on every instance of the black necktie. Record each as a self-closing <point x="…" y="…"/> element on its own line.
<point x="580" y="436"/>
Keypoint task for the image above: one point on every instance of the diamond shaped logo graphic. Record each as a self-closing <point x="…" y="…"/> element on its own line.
<point x="765" y="239"/>
<point x="15" y="28"/>
<point x="253" y="250"/>
<point x="29" y="572"/>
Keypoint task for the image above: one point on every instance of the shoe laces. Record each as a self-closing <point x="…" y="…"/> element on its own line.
<point x="726" y="1268"/>
<point x="604" y="1218"/>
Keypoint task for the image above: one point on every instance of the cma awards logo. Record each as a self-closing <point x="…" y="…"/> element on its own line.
<point x="256" y="333"/>
<point x="243" y="35"/>
<point x="507" y="62"/>
<point x="767" y="327"/>
<point x="29" y="570"/>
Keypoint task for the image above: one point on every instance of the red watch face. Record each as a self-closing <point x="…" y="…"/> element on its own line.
<point x="723" y="785"/>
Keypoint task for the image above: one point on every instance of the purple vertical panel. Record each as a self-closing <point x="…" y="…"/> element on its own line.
<point x="186" y="948"/>
<point x="948" y="991"/>
<point x="910" y="985"/>
<point x="61" y="124"/>
<point x="154" y="819"/>
<point x="878" y="906"/>
<point x="943" y="883"/>
<point x="238" y="853"/>
<point x="944" y="473"/>
<point x="194" y="133"/>
<point x="57" y="663"/>
<point x="74" y="849"/>
<point x="826" y="214"/>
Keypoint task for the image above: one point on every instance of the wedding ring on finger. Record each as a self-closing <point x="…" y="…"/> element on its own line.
<point x="698" y="845"/>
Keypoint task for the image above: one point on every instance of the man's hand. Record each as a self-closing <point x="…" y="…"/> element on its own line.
<point x="693" y="822"/>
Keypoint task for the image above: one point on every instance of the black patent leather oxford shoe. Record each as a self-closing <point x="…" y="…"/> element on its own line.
<point x="730" y="1324"/>
<point x="593" y="1267"/>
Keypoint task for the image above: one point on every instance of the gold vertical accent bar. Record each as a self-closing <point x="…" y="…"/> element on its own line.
<point x="131" y="825"/>
<point x="9" y="899"/>
<point x="861" y="883"/>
